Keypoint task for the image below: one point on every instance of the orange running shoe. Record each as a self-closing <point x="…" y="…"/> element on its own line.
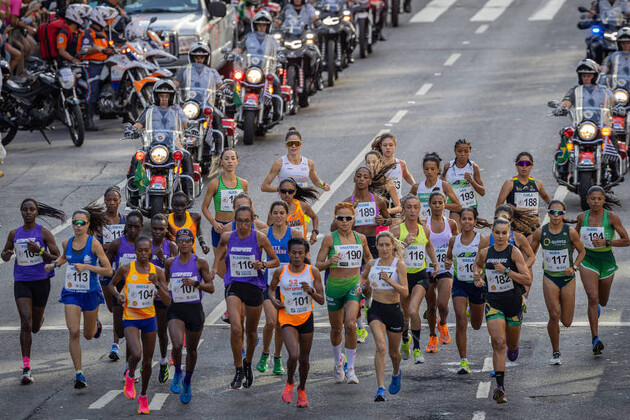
<point x="302" y="401"/>
<point x="432" y="347"/>
<point x="143" y="407"/>
<point x="287" y="394"/>
<point x="445" y="336"/>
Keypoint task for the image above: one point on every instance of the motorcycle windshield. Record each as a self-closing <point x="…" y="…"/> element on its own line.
<point x="293" y="25"/>
<point x="331" y="5"/>
<point x="260" y="53"/>
<point x="614" y="16"/>
<point x="594" y="105"/>
<point x="161" y="137"/>
<point x="199" y="87"/>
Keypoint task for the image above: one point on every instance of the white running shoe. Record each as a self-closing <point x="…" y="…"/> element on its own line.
<point x="338" y="372"/>
<point x="556" y="359"/>
<point x="351" y="376"/>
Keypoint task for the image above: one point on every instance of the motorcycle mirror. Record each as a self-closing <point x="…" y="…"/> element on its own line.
<point x="153" y="19"/>
<point x="585" y="24"/>
<point x="552" y="104"/>
<point x="582" y="9"/>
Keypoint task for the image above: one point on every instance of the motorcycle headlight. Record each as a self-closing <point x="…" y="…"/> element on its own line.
<point x="277" y="35"/>
<point x="621" y="96"/>
<point x="66" y="78"/>
<point x="293" y="45"/>
<point x="191" y="109"/>
<point x="587" y="131"/>
<point x="331" y="21"/>
<point x="254" y="76"/>
<point x="159" y="154"/>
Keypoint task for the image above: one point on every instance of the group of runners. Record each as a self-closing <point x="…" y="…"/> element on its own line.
<point x="386" y="253"/>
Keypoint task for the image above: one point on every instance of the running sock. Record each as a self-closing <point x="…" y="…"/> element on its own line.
<point x="415" y="334"/>
<point x="163" y="360"/>
<point x="188" y="377"/>
<point x="594" y="340"/>
<point x="79" y="372"/>
<point x="405" y="336"/>
<point x="337" y="353"/>
<point x="360" y="323"/>
<point x="178" y="369"/>
<point x="351" y="354"/>
<point x="27" y="362"/>
<point x="499" y="376"/>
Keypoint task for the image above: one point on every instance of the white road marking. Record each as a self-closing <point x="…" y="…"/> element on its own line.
<point x="432" y="11"/>
<point x="548" y="11"/>
<point x="482" y="28"/>
<point x="105" y="399"/>
<point x="479" y="415"/>
<point x="157" y="401"/>
<point x="491" y="11"/>
<point x="424" y="89"/>
<point x="452" y="59"/>
<point x="487" y="364"/>
<point x="483" y="390"/>
<point x="216" y="313"/>
<point x="398" y="116"/>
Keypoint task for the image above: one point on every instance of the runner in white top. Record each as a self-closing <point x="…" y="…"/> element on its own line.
<point x="374" y="161"/>
<point x="386" y="145"/>
<point x="431" y="167"/>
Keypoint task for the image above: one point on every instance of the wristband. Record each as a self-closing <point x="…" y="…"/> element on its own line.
<point x="41" y="251"/>
<point x="315" y="231"/>
<point x="157" y="286"/>
<point x="55" y="266"/>
<point x="575" y="268"/>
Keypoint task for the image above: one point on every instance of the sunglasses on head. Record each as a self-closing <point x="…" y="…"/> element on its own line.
<point x="79" y="222"/>
<point x="557" y="212"/>
<point x="285" y="191"/>
<point x="524" y="163"/>
<point x="344" y="218"/>
<point x="293" y="143"/>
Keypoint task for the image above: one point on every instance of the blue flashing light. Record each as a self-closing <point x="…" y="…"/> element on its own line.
<point x="596" y="30"/>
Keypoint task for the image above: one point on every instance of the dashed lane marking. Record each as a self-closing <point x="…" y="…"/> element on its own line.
<point x="424" y="89"/>
<point x="479" y="415"/>
<point x="105" y="399"/>
<point x="452" y="59"/>
<point x="216" y="313"/>
<point x="548" y="10"/>
<point x="157" y="401"/>
<point x="398" y="116"/>
<point x="491" y="11"/>
<point x="483" y="390"/>
<point x="487" y="364"/>
<point x="432" y="11"/>
<point x="481" y="29"/>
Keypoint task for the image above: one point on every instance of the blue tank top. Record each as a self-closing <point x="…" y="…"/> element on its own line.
<point x="280" y="246"/>
<point x="241" y="253"/>
<point x="84" y="256"/>
<point x="29" y="266"/>
<point x="180" y="293"/>
<point x="510" y="241"/>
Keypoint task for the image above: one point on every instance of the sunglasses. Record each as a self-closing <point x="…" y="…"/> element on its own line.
<point x="344" y="218"/>
<point x="283" y="191"/>
<point x="524" y="163"/>
<point x="557" y="212"/>
<point x="293" y="143"/>
<point x="79" y="223"/>
<point x="185" y="240"/>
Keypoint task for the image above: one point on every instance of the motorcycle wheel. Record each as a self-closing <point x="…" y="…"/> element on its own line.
<point x="249" y="126"/>
<point x="330" y="62"/>
<point x="395" y="12"/>
<point x="586" y="181"/>
<point x="303" y="100"/>
<point x="77" y="130"/>
<point x="9" y="136"/>
<point x="294" y="81"/>
<point x="156" y="205"/>
<point x="363" y="43"/>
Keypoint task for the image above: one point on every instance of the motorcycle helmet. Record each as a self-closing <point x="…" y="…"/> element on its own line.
<point x="77" y="12"/>
<point x="199" y="49"/>
<point x="587" y="66"/>
<point x="164" y="86"/>
<point x="302" y="2"/>
<point x="623" y="36"/>
<point x="133" y="31"/>
<point x="102" y="14"/>
<point x="263" y="17"/>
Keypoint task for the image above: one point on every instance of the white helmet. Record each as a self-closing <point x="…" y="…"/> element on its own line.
<point x="262" y="17"/>
<point x="133" y="31"/>
<point x="77" y="12"/>
<point x="199" y="49"/>
<point x="101" y="14"/>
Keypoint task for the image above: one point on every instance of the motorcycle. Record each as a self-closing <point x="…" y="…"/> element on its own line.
<point x="337" y="38"/>
<point x="48" y="94"/>
<point x="585" y="164"/>
<point x="602" y="40"/>
<point x="363" y="19"/>
<point x="620" y="85"/>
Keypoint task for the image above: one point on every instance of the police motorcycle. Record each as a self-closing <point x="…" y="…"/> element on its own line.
<point x="618" y="80"/>
<point x="602" y="40"/>
<point x="364" y="19"/>
<point x="159" y="172"/>
<point x="337" y="37"/>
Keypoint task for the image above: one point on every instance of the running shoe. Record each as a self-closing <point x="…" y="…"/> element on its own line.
<point x="186" y="394"/>
<point x="445" y="336"/>
<point x="114" y="353"/>
<point x="171" y="361"/>
<point x="404" y="349"/>
<point x="287" y="394"/>
<point x="432" y="346"/>
<point x="380" y="394"/>
<point x="27" y="379"/>
<point x="263" y="363"/>
<point x="163" y="374"/>
<point x="418" y="357"/>
<point x="130" y="388"/>
<point x="351" y="376"/>
<point x="302" y="402"/>
<point x="237" y="382"/>
<point x="512" y="355"/>
<point x="277" y="366"/>
<point x="598" y="346"/>
<point x="492" y="373"/>
<point x="338" y="372"/>
<point x="225" y="318"/>
<point x="80" y="382"/>
<point x="249" y="375"/>
<point x="394" y="385"/>
<point x="99" y="329"/>
<point x="464" y="368"/>
<point x="556" y="358"/>
<point x="176" y="383"/>
<point x="362" y="334"/>
<point x="143" y="405"/>
<point x="499" y="395"/>
<point x="135" y="378"/>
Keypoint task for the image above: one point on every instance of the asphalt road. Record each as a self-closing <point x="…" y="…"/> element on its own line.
<point x="462" y="68"/>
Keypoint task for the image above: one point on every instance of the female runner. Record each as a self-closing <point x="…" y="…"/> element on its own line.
<point x="523" y="191"/>
<point x="300" y="211"/>
<point x="386" y="145"/>
<point x="431" y="168"/>
<point x="181" y="218"/>
<point x="374" y="161"/>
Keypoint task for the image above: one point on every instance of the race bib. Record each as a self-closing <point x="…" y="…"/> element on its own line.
<point x="25" y="257"/>
<point x="182" y="293"/>
<point x="466" y="193"/>
<point x="375" y="278"/>
<point x="440" y="255"/>
<point x="140" y="296"/>
<point x="397" y="180"/>
<point x="242" y="266"/>
<point x="112" y="232"/>
<point x="526" y="200"/>
<point x="227" y="199"/>
<point x="365" y="214"/>
<point x="415" y="256"/>
<point x="296" y="301"/>
<point x="77" y="281"/>
<point x="555" y="260"/>
<point x="465" y="267"/>
<point x="498" y="282"/>
<point x="589" y="233"/>
<point x="425" y="210"/>
<point x="350" y="256"/>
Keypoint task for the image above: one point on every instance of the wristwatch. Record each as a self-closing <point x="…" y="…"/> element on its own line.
<point x="315" y="231"/>
<point x="507" y="271"/>
<point x="157" y="286"/>
<point x="574" y="268"/>
<point x="264" y="265"/>
<point x="197" y="284"/>
<point x="608" y="242"/>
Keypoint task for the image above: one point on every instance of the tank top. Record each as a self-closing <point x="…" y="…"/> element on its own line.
<point x="351" y="255"/>
<point x="375" y="271"/>
<point x="524" y="196"/>
<point x="464" y="258"/>
<point x="604" y="231"/>
<point x="178" y="291"/>
<point x="224" y="197"/>
<point x="126" y="253"/>
<point x="239" y="260"/>
<point x="440" y="244"/>
<point x="166" y="250"/>
<point x="280" y="246"/>
<point x="111" y="232"/>
<point x="424" y="193"/>
<point x="557" y="251"/>
<point x="139" y="294"/>
<point x="501" y="288"/>
<point x="29" y="266"/>
<point x="298" y="305"/>
<point x="463" y="189"/>
<point x="297" y="219"/>
<point x="85" y="281"/>
<point x="396" y="175"/>
<point x="188" y="224"/>
<point x="415" y="254"/>
<point x="299" y="172"/>
<point x="365" y="212"/>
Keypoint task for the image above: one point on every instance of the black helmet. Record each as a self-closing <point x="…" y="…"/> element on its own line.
<point x="587" y="66"/>
<point x="623" y="36"/>
<point x="262" y="17"/>
<point x="164" y="86"/>
<point x="200" y="49"/>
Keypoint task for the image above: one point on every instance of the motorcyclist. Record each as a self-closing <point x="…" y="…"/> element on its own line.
<point x="68" y="37"/>
<point x="603" y="7"/>
<point x="95" y="41"/>
<point x="617" y="62"/>
<point x="165" y="115"/>
<point x="301" y="9"/>
<point x="118" y="23"/>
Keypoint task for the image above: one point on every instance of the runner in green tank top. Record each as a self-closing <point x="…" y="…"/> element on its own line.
<point x="558" y="241"/>
<point x="597" y="228"/>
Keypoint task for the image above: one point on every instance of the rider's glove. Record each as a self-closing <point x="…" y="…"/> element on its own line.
<point x="619" y="110"/>
<point x="560" y="111"/>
